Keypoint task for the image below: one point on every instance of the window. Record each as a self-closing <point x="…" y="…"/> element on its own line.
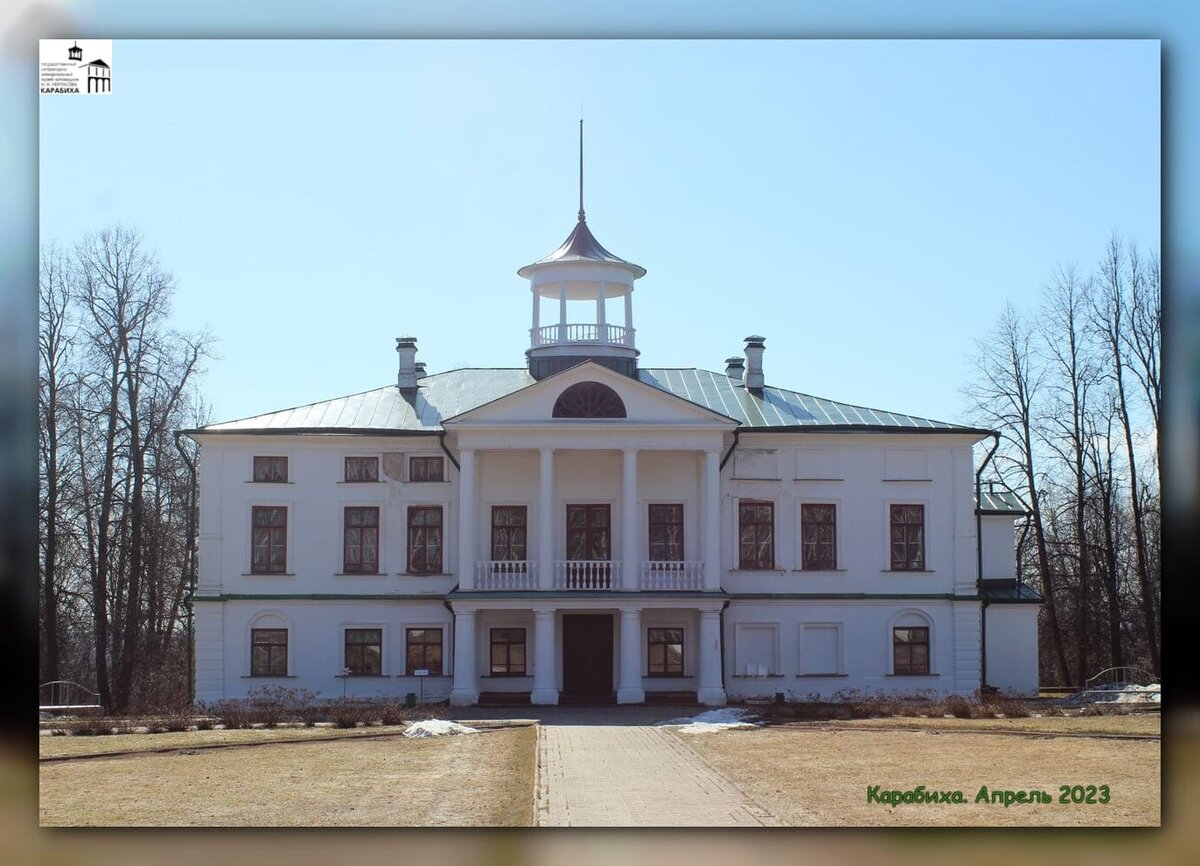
<point x="269" y="541"/>
<point x="666" y="533"/>
<point x="908" y="537"/>
<point x="362" y="468"/>
<point x="425" y="539"/>
<point x="509" y="533"/>
<point x="268" y="653"/>
<point x="910" y="650"/>
<point x="508" y="652"/>
<point x="756" y="534"/>
<point x="818" y="532"/>
<point x="271" y="469"/>
<point x="664" y="652"/>
<point x="588" y="400"/>
<point x="426" y="469"/>
<point x="588" y="533"/>
<point x="361" y="541"/>
<point x="423" y="651"/>
<point x="364" y="651"/>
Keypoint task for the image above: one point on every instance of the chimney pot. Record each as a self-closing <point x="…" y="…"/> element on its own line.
<point x="754" y="366"/>
<point x="735" y="367"/>
<point x="406" y="348"/>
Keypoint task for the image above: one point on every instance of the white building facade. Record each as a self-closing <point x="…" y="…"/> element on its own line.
<point x="582" y="530"/>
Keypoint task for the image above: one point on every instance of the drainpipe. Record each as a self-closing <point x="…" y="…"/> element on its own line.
<point x="190" y="569"/>
<point x="1020" y="546"/>
<point x="729" y="453"/>
<point x="979" y="562"/>
<point x="442" y="443"/>
<point x="721" y="622"/>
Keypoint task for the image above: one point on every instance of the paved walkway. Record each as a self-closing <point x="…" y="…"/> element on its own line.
<point x="633" y="776"/>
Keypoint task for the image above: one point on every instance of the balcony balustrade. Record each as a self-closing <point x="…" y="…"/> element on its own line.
<point x="506" y="574"/>
<point x="672" y="575"/>
<point x="587" y="574"/>
<point x="589" y="332"/>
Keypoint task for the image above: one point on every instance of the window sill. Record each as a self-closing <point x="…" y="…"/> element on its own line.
<point x="506" y="676"/>
<point x="268" y="676"/>
<point x="360" y="574"/>
<point x="423" y="574"/>
<point x="443" y="481"/>
<point x="818" y="676"/>
<point x="736" y="478"/>
<point x="742" y="570"/>
<point x="669" y="676"/>
<point x="903" y="480"/>
<point x="270" y="482"/>
<point x="914" y="675"/>
<point x="907" y="571"/>
<point x="268" y="574"/>
<point x="819" y="570"/>
<point x="757" y="676"/>
<point x="362" y="676"/>
<point x="429" y="677"/>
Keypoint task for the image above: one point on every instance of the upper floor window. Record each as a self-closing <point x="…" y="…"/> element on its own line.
<point x="362" y="468"/>
<point x="910" y="650"/>
<point x="666" y="533"/>
<point x="756" y="534"/>
<point x="664" y="652"/>
<point x="268" y="654"/>
<point x="818" y="530"/>
<point x="588" y="400"/>
<point x="423" y="651"/>
<point x="361" y="541"/>
<point x="509" y="533"/>
<point x="268" y="539"/>
<point x="426" y="469"/>
<point x="425" y="539"/>
<point x="908" y="537"/>
<point x="271" y="469"/>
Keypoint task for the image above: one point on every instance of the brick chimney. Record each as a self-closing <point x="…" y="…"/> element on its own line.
<point x="406" y="348"/>
<point x="754" y="366"/>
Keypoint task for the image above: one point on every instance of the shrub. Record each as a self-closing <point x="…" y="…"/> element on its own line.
<point x="957" y="706"/>
<point x="393" y="713"/>
<point x="347" y="713"/>
<point x="233" y="714"/>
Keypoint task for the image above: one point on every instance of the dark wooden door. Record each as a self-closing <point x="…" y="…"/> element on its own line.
<point x="587" y="654"/>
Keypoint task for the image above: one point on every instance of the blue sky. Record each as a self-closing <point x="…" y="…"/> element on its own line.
<point x="868" y="206"/>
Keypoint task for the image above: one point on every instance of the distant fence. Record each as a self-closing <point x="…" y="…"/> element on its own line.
<point x="66" y="696"/>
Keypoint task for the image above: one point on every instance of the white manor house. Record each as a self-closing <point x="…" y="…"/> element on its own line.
<point x="584" y="530"/>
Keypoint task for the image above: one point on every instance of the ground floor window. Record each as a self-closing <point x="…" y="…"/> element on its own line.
<point x="423" y="651"/>
<point x="664" y="652"/>
<point x="508" y="652"/>
<point x="268" y="656"/>
<point x="364" y="651"/>
<point x="910" y="650"/>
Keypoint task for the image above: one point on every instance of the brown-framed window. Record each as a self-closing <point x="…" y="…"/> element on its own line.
<point x="426" y="469"/>
<point x="268" y="652"/>
<point x="271" y="469"/>
<point x="425" y="539"/>
<point x="664" y="652"/>
<point x="756" y="534"/>
<point x="423" y="651"/>
<point x="509" y="533"/>
<point x="666" y="533"/>
<point x="362" y="468"/>
<point x="818" y="537"/>
<point x="508" y="652"/>
<point x="364" y="651"/>
<point x="589" y="532"/>
<point x="910" y="650"/>
<point x="269" y="539"/>
<point x="908" y="537"/>
<point x="360" y="544"/>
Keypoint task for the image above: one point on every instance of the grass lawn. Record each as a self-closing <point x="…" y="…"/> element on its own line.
<point x="1149" y="724"/>
<point x="819" y="773"/>
<point x="481" y="779"/>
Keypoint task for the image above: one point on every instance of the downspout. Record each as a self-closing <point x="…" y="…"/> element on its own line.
<point x="729" y="453"/>
<point x="721" y="466"/>
<point x="442" y="443"/>
<point x="190" y="570"/>
<point x="979" y="562"/>
<point x="1020" y="546"/>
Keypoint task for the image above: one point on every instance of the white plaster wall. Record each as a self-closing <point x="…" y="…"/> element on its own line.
<point x="866" y="640"/>
<point x="999" y="547"/>
<point x="316" y="646"/>
<point x="1012" y="647"/>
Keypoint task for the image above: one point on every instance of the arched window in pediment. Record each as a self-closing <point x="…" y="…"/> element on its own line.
<point x="589" y="400"/>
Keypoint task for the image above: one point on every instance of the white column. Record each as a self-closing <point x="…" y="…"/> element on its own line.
<point x="545" y="567"/>
<point x="712" y="521"/>
<point x="629" y="519"/>
<point x="629" y="682"/>
<point x="537" y="315"/>
<point x="629" y="308"/>
<point x="466" y="519"/>
<point x="465" y="690"/>
<point x="600" y="314"/>
<point x="711" y="692"/>
<point x="545" y="671"/>
<point x="562" y="312"/>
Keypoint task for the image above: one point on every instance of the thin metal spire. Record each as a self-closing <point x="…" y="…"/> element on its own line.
<point x="582" y="215"/>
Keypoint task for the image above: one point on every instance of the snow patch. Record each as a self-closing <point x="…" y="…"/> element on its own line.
<point x="437" y="728"/>
<point x="712" y="721"/>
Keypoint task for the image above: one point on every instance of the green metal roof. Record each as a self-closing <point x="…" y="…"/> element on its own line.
<point x="387" y="410"/>
<point x="999" y="498"/>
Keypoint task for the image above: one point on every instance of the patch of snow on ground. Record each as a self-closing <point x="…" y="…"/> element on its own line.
<point x="1140" y="694"/>
<point x="712" y="721"/>
<point x="437" y="728"/>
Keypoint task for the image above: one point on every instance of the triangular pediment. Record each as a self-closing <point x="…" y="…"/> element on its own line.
<point x="642" y="403"/>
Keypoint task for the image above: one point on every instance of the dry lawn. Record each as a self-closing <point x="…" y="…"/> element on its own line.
<point x="483" y="779"/>
<point x="805" y="770"/>
<point x="1149" y="724"/>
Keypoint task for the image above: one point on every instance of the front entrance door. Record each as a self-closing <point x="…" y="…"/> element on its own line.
<point x="587" y="663"/>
